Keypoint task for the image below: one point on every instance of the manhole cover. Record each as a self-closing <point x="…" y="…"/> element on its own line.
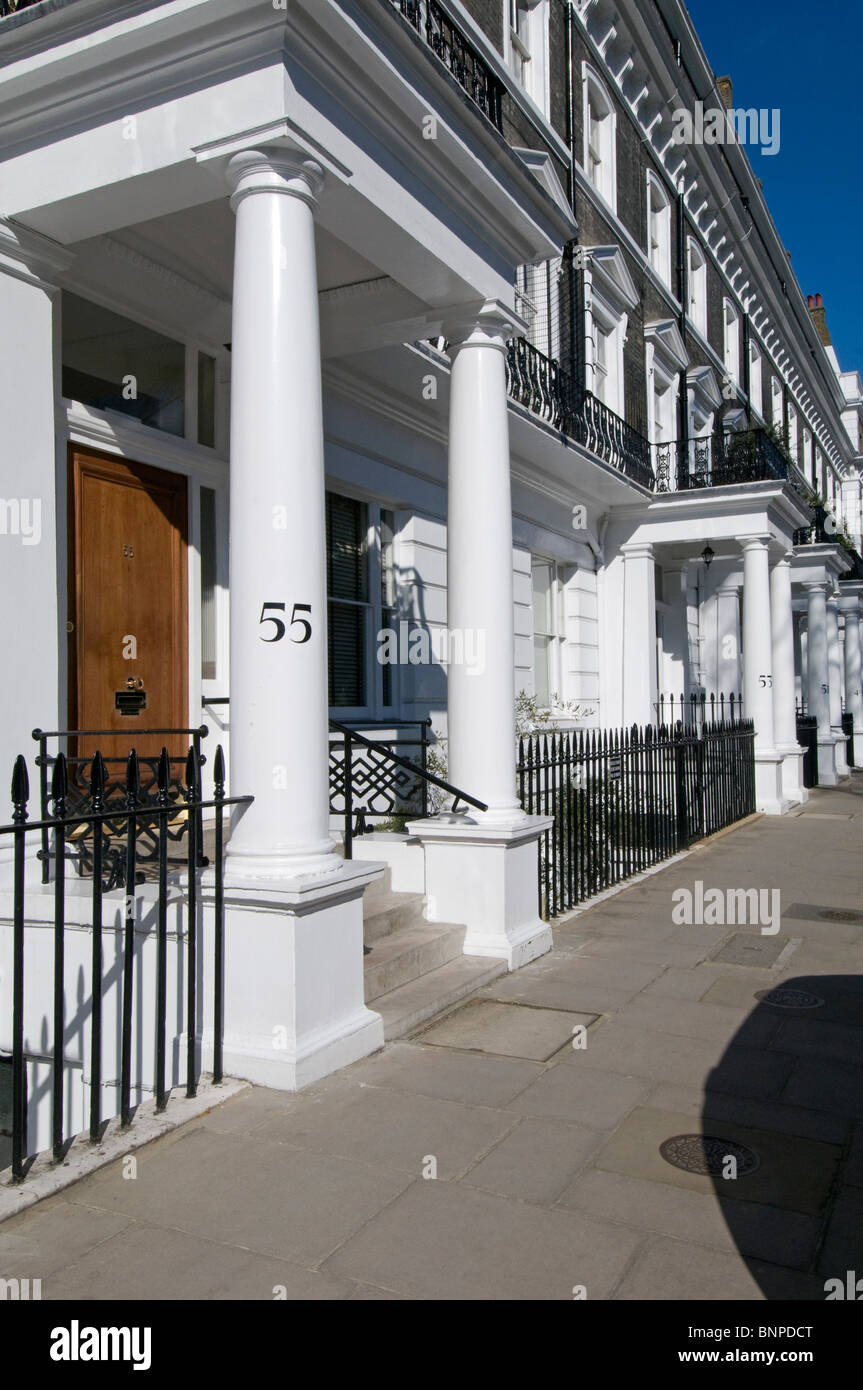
<point x="790" y="998"/>
<point x="841" y="914"/>
<point x="707" y="1155"/>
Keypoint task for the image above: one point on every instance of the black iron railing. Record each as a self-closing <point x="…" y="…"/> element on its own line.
<point x="807" y="737"/>
<point x="823" y="531"/>
<point x="539" y="383"/>
<point x="848" y="731"/>
<point x="719" y="460"/>
<point x="79" y="839"/>
<point x="547" y="389"/>
<point x="457" y="54"/>
<point x="699" y="708"/>
<point x="626" y="800"/>
<point x="370" y="781"/>
<point x="8" y="7"/>
<point x="24" y="1033"/>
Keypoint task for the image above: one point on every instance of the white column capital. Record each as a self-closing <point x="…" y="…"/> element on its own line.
<point x="484" y="323"/>
<point x="816" y="586"/>
<point x="274" y="170"/>
<point x="849" y="603"/>
<point x="759" y="542"/>
<point x="639" y="550"/>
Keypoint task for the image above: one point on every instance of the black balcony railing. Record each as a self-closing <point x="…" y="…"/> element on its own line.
<point x="719" y="460"/>
<point x="547" y="389"/>
<point x="605" y="434"/>
<point x="8" y="7"/>
<point x="457" y="54"/>
<point x="823" y="531"/>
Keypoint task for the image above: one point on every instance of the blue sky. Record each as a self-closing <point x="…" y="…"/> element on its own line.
<point x="805" y="60"/>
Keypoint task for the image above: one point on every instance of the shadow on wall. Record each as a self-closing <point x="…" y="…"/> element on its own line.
<point x="788" y="1174"/>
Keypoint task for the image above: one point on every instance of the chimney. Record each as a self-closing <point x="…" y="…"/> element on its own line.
<point x="819" y="318"/>
<point x="726" y="91"/>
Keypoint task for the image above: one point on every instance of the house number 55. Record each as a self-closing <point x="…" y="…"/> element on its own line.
<point x="765" y="681"/>
<point x="279" y="625"/>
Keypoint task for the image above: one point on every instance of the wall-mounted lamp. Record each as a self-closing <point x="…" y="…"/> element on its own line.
<point x="707" y="556"/>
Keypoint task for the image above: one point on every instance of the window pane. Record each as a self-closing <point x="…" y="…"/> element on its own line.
<point x="114" y="364"/>
<point x="206" y="400"/>
<point x="347" y="550"/>
<point x="541" y="656"/>
<point x="541" y="574"/>
<point x="208" y="584"/>
<point x="346" y="642"/>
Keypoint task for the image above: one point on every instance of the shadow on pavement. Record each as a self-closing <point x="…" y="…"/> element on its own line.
<point x="787" y="1172"/>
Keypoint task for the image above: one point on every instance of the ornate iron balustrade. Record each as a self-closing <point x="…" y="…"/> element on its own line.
<point x="609" y="437"/>
<point x="719" y="460"/>
<point x="369" y="779"/>
<point x="79" y="846"/>
<point x="457" y="54"/>
<point x="547" y="389"/>
<point x="539" y="383"/>
<point x="823" y="531"/>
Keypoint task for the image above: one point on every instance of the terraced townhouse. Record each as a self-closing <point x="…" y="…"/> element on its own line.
<point x="368" y="366"/>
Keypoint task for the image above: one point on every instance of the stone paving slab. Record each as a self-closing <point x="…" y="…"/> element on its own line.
<point x="510" y="1030"/>
<point x="449" y="1241"/>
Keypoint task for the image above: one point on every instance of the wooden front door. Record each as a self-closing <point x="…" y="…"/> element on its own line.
<point x="128" y="642"/>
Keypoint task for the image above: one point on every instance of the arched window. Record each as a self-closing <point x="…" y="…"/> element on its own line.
<point x="600" y="138"/>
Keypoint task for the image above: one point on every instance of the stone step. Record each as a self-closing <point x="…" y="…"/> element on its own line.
<point x="386" y="913"/>
<point x="405" y="1008"/>
<point x="406" y="955"/>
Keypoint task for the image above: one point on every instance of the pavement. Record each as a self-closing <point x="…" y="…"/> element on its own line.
<point x="627" y="1118"/>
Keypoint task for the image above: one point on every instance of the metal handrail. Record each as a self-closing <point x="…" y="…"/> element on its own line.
<point x="351" y="736"/>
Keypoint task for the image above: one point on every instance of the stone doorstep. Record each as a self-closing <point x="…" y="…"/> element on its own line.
<point x="46" y="1178"/>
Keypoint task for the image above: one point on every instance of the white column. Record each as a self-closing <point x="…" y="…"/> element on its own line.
<point x="675" y="678"/>
<point x="481" y="867"/>
<point x="480" y="697"/>
<point x="850" y="605"/>
<point x="33" y="635"/>
<point x="278" y="597"/>
<point x="728" y="638"/>
<point x="758" y="673"/>
<point x="293" y="908"/>
<point x="818" y="680"/>
<point x="836" y="682"/>
<point x="639" y="634"/>
<point x="784" y="711"/>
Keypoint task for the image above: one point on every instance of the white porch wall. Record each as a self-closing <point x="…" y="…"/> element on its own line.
<point x="32" y="476"/>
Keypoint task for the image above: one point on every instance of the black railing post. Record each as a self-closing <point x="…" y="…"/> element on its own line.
<point x="42" y="764"/>
<point x="349" y="798"/>
<point x="193" y="792"/>
<point x="680" y="786"/>
<point x="20" y="797"/>
<point x="58" y="796"/>
<point x="133" y="786"/>
<point x="163" y="780"/>
<point x="98" y="778"/>
<point x="219" y="926"/>
<point x="424" y="786"/>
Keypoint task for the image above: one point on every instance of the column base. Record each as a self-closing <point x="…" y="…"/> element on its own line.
<point x="792" y="773"/>
<point x="842" y="768"/>
<point x="294" y="1004"/>
<point x="485" y="876"/>
<point x="770" y="799"/>
<point x="828" y="774"/>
